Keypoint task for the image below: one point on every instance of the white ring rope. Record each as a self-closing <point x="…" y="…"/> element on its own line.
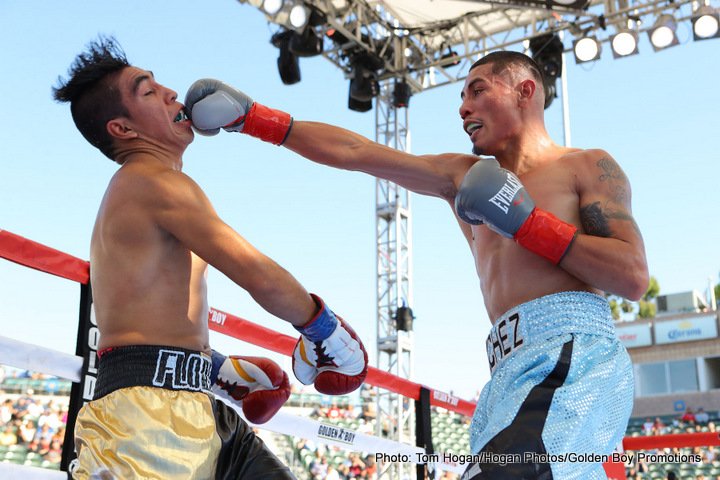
<point x="40" y="359"/>
<point x="25" y="472"/>
<point x="44" y="360"/>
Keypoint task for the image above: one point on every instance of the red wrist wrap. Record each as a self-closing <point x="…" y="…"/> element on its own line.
<point x="267" y="124"/>
<point x="546" y="235"/>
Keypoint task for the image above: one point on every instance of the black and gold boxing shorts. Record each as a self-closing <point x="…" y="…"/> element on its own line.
<point x="153" y="417"/>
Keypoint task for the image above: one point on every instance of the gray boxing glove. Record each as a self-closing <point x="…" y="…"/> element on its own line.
<point x="493" y="195"/>
<point x="214" y="105"/>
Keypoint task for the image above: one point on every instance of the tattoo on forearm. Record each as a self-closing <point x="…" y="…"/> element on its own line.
<point x="594" y="219"/>
<point x="617" y="181"/>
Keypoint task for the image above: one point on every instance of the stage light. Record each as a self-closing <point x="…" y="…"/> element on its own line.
<point x="359" y="105"/>
<point x="577" y="4"/>
<point x="624" y="43"/>
<point x="272" y="7"/>
<point x="306" y="44"/>
<point x="287" y="62"/>
<point x="401" y="94"/>
<point x="449" y="58"/>
<point x="404" y="319"/>
<point x="547" y="52"/>
<point x="299" y="16"/>
<point x="574" y="4"/>
<point x="662" y="34"/>
<point x="586" y="49"/>
<point x="363" y="86"/>
<point x="705" y="23"/>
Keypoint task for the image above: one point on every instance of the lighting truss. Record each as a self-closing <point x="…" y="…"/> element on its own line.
<point x="418" y="54"/>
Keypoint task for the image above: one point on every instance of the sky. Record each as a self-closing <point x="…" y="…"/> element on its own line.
<point x="655" y="113"/>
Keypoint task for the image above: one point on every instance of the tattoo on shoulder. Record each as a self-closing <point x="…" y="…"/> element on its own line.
<point x="617" y="181"/>
<point x="594" y="219"/>
<point x="611" y="170"/>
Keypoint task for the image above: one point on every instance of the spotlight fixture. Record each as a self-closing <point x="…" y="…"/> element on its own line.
<point x="359" y="105"/>
<point x="306" y="44"/>
<point x="287" y="62"/>
<point x="662" y="34"/>
<point x="624" y="43"/>
<point x="272" y="7"/>
<point x="705" y="22"/>
<point x="401" y="94"/>
<point x="577" y="4"/>
<point x="363" y="88"/>
<point x="299" y="16"/>
<point x="586" y="49"/>
<point x="404" y="319"/>
<point x="337" y="37"/>
<point x="449" y="58"/>
<point x="364" y="83"/>
<point x="547" y="52"/>
<point x="572" y="4"/>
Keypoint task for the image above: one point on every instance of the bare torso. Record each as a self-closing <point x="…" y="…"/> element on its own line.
<point x="509" y="274"/>
<point x="147" y="288"/>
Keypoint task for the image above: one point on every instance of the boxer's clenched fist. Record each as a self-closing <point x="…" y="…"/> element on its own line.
<point x="258" y="384"/>
<point x="213" y="105"/>
<point x="492" y="195"/>
<point x="329" y="354"/>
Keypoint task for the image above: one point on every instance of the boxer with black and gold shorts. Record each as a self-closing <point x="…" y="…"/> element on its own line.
<point x="153" y="416"/>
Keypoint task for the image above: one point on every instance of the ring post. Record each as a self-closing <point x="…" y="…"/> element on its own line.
<point x="86" y="347"/>
<point x="423" y="433"/>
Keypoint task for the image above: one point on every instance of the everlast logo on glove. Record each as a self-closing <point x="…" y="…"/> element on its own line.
<point x="503" y="198"/>
<point x="504" y="338"/>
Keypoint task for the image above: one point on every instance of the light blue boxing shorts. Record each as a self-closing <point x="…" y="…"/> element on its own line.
<point x="560" y="395"/>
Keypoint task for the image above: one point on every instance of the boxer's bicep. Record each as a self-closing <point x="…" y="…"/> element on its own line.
<point x="605" y="201"/>
<point x="183" y="210"/>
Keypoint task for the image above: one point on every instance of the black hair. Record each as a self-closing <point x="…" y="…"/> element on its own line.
<point x="92" y="91"/>
<point x="503" y="59"/>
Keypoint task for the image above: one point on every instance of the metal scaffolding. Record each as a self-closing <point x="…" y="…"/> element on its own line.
<point x="395" y="413"/>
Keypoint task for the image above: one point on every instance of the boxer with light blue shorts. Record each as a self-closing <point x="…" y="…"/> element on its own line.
<point x="550" y="229"/>
<point x="561" y="387"/>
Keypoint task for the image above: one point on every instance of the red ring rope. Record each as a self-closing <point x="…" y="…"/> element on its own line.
<point x="40" y="257"/>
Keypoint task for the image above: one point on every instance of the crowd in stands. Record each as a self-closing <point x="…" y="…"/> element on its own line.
<point x="323" y="462"/>
<point x="331" y="463"/>
<point x="33" y="420"/>
<point x="690" y="421"/>
<point x="32" y="424"/>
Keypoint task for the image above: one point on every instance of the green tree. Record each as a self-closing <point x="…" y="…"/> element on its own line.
<point x="627" y="306"/>
<point x="653" y="289"/>
<point x="614" y="307"/>
<point x="644" y="308"/>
